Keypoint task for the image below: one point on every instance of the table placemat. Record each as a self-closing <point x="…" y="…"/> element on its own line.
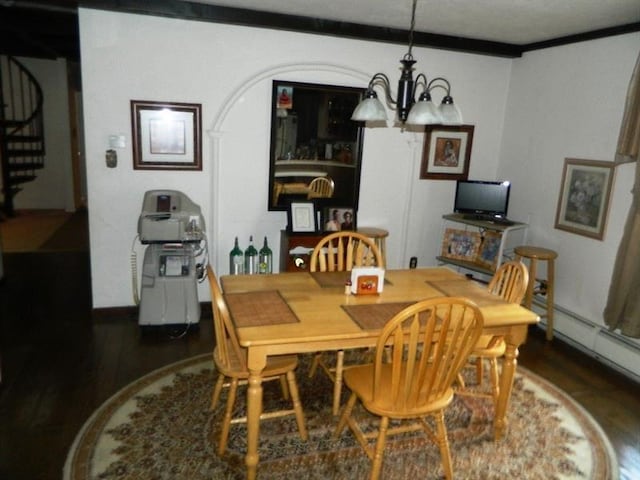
<point x="468" y="289"/>
<point x="331" y="279"/>
<point x="256" y="309"/>
<point x="374" y="316"/>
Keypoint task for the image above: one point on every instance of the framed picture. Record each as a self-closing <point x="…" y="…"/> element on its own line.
<point x="447" y="152"/>
<point x="489" y="249"/>
<point x="461" y="244"/>
<point x="166" y="136"/>
<point x="335" y="219"/>
<point x="302" y="217"/>
<point x="584" y="197"/>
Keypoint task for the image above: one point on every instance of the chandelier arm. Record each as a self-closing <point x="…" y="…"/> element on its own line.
<point x="383" y="80"/>
<point x="431" y="85"/>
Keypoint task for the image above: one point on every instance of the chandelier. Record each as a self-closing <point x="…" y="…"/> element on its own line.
<point x="422" y="112"/>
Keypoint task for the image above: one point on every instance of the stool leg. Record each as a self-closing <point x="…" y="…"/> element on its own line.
<point x="550" y="281"/>
<point x="528" y="298"/>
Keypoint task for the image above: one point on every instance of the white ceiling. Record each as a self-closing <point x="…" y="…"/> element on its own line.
<point x="517" y="22"/>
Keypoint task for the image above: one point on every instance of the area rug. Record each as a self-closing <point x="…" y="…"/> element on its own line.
<point x="160" y="427"/>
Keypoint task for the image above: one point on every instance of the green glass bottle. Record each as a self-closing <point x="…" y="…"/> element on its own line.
<point x="236" y="260"/>
<point x="251" y="258"/>
<point x="265" y="259"/>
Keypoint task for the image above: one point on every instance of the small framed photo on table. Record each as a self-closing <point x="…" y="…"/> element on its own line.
<point x="336" y="219"/>
<point x="166" y="136"/>
<point x="302" y="217"/>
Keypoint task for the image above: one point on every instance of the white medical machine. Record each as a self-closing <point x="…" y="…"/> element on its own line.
<point x="172" y="227"/>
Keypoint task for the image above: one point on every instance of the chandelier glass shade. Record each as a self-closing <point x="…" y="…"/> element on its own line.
<point x="422" y="112"/>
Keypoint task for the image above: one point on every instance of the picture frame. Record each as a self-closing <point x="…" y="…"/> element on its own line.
<point x="583" y="203"/>
<point x="446" y="152"/>
<point x="335" y="219"/>
<point x="489" y="250"/>
<point x="302" y="217"/>
<point x="166" y="135"/>
<point x="461" y="244"/>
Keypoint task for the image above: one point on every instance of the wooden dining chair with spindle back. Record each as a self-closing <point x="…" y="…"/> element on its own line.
<point x="428" y="343"/>
<point x="510" y="283"/>
<point x="231" y="362"/>
<point x="340" y="252"/>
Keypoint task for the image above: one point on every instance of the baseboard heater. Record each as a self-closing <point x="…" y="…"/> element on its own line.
<point x="609" y="347"/>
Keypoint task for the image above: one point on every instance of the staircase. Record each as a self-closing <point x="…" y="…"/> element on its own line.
<point x="21" y="129"/>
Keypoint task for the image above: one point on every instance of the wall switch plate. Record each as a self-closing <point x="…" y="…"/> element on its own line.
<point x="117" y="141"/>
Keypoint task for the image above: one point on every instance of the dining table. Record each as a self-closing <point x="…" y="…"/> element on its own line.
<point x="302" y="312"/>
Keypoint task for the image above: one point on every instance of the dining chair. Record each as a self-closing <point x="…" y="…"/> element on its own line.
<point x="340" y="252"/>
<point x="230" y="360"/>
<point x="320" y="187"/>
<point x="429" y="342"/>
<point x="510" y="283"/>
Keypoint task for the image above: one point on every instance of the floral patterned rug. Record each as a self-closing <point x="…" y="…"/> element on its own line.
<point x="160" y="427"/>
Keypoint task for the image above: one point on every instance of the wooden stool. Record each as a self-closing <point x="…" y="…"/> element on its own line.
<point x="378" y="235"/>
<point x="533" y="254"/>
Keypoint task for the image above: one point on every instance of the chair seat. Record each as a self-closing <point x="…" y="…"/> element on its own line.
<point x="360" y="380"/>
<point x="490" y="346"/>
<point x="276" y="365"/>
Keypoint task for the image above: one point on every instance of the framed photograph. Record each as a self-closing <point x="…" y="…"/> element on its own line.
<point x="461" y="244"/>
<point x="166" y="136"/>
<point x="584" y="197"/>
<point x="489" y="249"/>
<point x="302" y="217"/>
<point x="335" y="219"/>
<point x="447" y="152"/>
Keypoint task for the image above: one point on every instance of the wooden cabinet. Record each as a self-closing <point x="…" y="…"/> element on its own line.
<point x="295" y="249"/>
<point x="486" y="243"/>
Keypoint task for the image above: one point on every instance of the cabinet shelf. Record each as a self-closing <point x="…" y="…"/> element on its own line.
<point x="504" y="231"/>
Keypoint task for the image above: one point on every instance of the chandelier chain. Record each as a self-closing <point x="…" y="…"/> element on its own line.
<point x="413" y="24"/>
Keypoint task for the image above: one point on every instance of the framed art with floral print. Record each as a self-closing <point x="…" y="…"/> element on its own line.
<point x="583" y="204"/>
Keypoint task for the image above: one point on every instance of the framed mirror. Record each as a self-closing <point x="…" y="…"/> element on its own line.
<point x="316" y="149"/>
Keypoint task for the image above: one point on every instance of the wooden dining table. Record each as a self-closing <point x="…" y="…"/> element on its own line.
<point x="289" y="313"/>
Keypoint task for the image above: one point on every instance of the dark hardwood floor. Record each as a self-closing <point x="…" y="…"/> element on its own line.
<point x="59" y="365"/>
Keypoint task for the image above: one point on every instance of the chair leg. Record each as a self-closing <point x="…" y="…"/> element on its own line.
<point x="495" y="379"/>
<point x="283" y="387"/>
<point x="376" y="467"/>
<point x="216" y="392"/>
<point x="297" y="406"/>
<point x="443" y="443"/>
<point x="337" y="384"/>
<point x="314" y="364"/>
<point x="479" y="370"/>
<point x="345" y="415"/>
<point x="226" y="421"/>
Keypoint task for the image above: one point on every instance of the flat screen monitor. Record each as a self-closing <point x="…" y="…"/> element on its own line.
<point x="482" y="198"/>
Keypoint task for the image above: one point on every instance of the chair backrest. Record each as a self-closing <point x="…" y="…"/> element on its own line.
<point x="341" y="251"/>
<point x="429" y="342"/>
<point x="510" y="281"/>
<point x="228" y="351"/>
<point x="321" y="187"/>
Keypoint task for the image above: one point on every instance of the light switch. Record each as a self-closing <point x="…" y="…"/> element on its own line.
<point x="116" y="141"/>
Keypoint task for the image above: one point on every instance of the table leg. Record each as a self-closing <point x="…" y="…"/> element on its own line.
<point x="509" y="364"/>
<point x="256" y="361"/>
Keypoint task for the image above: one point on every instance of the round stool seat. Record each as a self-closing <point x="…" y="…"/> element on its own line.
<point x="535" y="252"/>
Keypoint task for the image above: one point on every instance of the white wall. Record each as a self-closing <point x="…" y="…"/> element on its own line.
<point x="568" y="102"/>
<point x="53" y="187"/>
<point x="229" y="71"/>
